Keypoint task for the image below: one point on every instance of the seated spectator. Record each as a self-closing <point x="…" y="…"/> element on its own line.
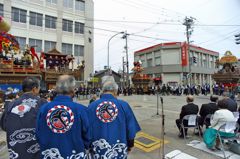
<point x="188" y="109"/>
<point x="220" y="118"/>
<point x="208" y="108"/>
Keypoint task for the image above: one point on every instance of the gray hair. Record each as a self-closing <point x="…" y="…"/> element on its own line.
<point x="65" y="84"/>
<point x="109" y="84"/>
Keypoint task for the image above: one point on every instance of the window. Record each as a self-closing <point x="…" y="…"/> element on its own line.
<point x="78" y="50"/>
<point x="80" y="5"/>
<point x="52" y="1"/>
<point x="36" y="19"/>
<point x="149" y="62"/>
<point x="143" y="63"/>
<point x="67" y="48"/>
<point x="50" y="22"/>
<point x="149" y="55"/>
<point x="1" y="10"/>
<point x="19" y="15"/>
<point x="157" y="61"/>
<point x="68" y="3"/>
<point x="37" y="43"/>
<point x="79" y="27"/>
<point x="49" y="45"/>
<point x="21" y="41"/>
<point x="67" y="25"/>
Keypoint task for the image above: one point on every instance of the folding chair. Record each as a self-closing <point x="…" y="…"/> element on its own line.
<point x="228" y="127"/>
<point x="207" y="120"/>
<point x="192" y="122"/>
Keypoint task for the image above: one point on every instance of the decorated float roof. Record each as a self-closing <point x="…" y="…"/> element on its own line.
<point x="228" y="58"/>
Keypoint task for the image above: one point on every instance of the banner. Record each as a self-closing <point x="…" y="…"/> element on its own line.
<point x="184" y="54"/>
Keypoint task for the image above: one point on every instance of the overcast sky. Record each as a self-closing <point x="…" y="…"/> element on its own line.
<point x="155" y="17"/>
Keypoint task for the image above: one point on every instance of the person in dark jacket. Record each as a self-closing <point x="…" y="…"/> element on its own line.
<point x="188" y="109"/>
<point x="19" y="121"/>
<point x="208" y="108"/>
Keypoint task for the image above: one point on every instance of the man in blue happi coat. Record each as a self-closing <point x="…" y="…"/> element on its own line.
<point x="113" y="124"/>
<point x="19" y="121"/>
<point x="62" y="125"/>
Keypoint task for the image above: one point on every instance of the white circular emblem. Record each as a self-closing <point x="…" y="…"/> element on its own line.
<point x="107" y="111"/>
<point x="60" y="119"/>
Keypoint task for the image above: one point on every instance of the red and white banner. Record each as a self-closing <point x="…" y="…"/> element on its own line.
<point x="184" y="54"/>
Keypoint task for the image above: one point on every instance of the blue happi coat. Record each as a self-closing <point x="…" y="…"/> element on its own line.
<point x="63" y="129"/>
<point x="19" y="122"/>
<point x="113" y="124"/>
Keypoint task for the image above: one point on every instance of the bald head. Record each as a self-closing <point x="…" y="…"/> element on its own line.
<point x="190" y="98"/>
<point x="65" y="84"/>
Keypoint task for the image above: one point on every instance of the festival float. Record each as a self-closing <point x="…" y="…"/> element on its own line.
<point x="139" y="79"/>
<point x="229" y="72"/>
<point x="17" y="63"/>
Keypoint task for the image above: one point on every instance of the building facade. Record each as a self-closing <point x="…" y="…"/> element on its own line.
<point x="46" y="24"/>
<point x="173" y="63"/>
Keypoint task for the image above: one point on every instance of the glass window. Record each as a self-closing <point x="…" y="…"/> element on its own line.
<point x="37" y="43"/>
<point x="21" y="41"/>
<point x="80" y="5"/>
<point x="143" y="63"/>
<point x="49" y="45"/>
<point x="52" y="1"/>
<point x="67" y="25"/>
<point x="149" y="62"/>
<point x="19" y="15"/>
<point x="78" y="50"/>
<point x="1" y="10"/>
<point x="36" y="19"/>
<point x="157" y="61"/>
<point x="79" y="27"/>
<point x="67" y="48"/>
<point x="50" y="22"/>
<point x="68" y="3"/>
<point x="149" y="55"/>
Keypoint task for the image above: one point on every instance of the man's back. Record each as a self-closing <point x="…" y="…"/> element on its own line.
<point x="19" y="122"/>
<point x="113" y="125"/>
<point x="63" y="129"/>
<point x="188" y="109"/>
<point x="209" y="108"/>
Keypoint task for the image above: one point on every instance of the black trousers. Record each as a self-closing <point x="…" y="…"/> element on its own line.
<point x="178" y="123"/>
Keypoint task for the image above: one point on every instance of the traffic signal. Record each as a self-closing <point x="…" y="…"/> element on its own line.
<point x="194" y="59"/>
<point x="237" y="38"/>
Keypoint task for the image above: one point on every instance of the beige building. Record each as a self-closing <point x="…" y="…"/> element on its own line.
<point x="170" y="62"/>
<point x="64" y="24"/>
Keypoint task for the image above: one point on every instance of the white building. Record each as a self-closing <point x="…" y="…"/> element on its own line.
<point x="174" y="64"/>
<point x="64" y="24"/>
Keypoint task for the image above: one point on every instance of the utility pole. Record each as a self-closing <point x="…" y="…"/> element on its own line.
<point x="188" y="22"/>
<point x="123" y="73"/>
<point x="125" y="36"/>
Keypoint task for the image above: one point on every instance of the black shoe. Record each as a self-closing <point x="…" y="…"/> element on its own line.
<point x="180" y="136"/>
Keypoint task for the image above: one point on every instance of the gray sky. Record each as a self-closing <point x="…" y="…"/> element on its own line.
<point x="156" y="15"/>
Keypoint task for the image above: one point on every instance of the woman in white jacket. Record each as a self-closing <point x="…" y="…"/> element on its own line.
<point x="220" y="117"/>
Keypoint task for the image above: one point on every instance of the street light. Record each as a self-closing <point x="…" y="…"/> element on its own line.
<point x="108" y="46"/>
